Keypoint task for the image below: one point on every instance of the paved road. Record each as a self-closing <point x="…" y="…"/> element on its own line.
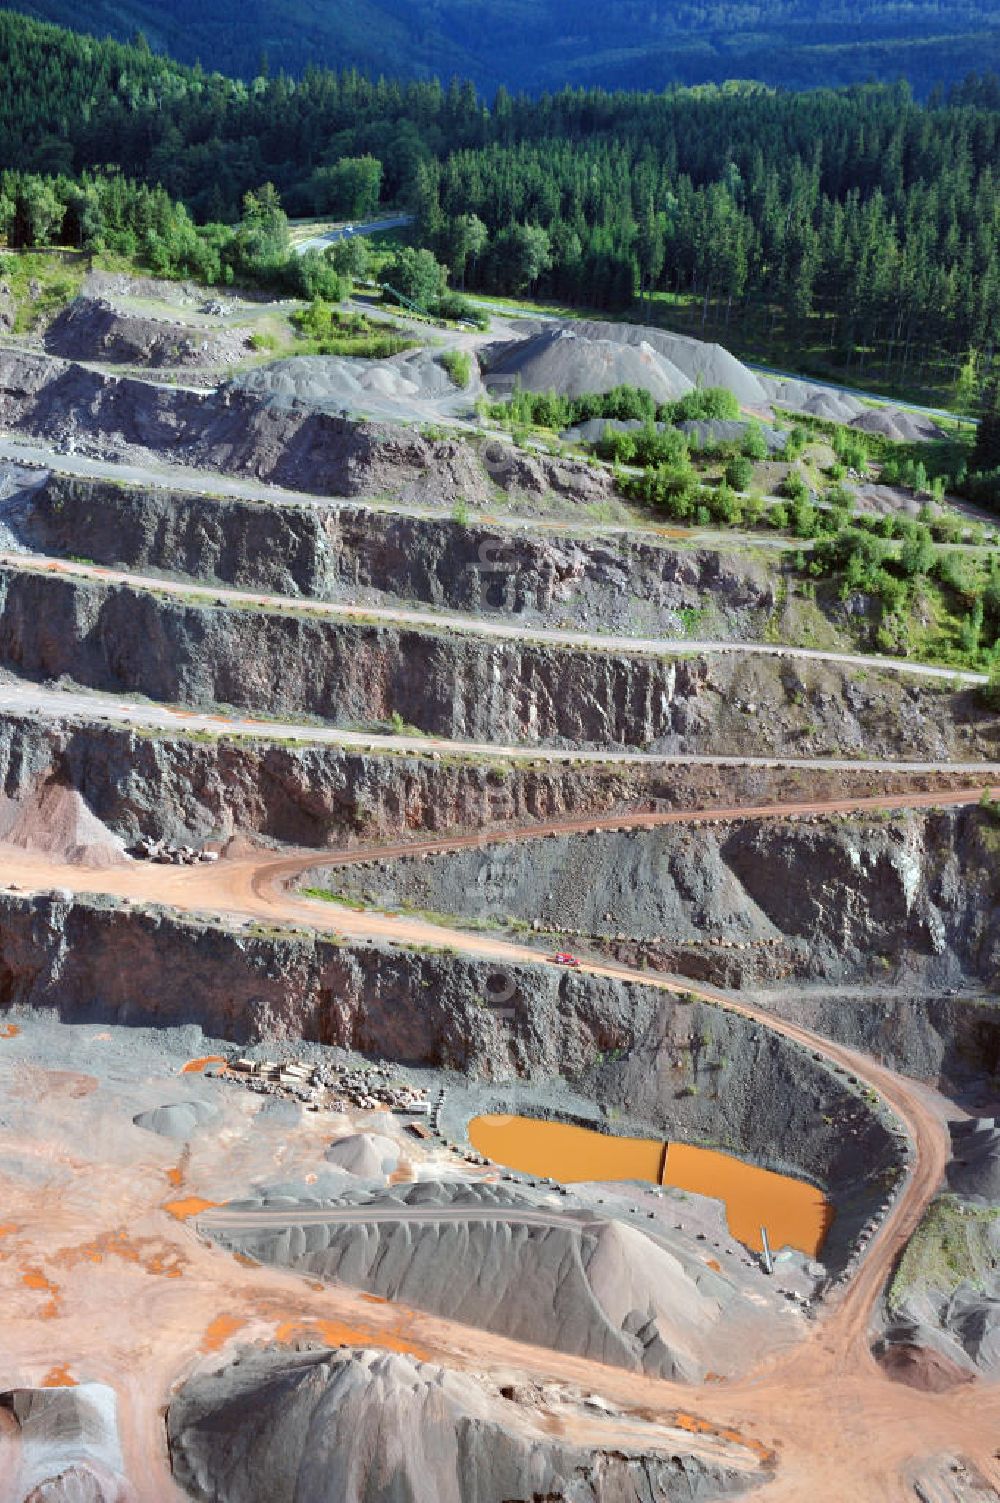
<point x="370" y="227"/>
<point x="478" y="626"/>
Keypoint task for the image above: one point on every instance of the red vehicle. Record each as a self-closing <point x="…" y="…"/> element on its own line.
<point x="563" y="957"/>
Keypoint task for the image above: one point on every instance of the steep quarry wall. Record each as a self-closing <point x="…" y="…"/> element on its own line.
<point x="695" y="1072"/>
<point x="329" y="550"/>
<point x="137" y="642"/>
<point x="902" y="897"/>
<point x="191" y="789"/>
<point x="232" y="432"/>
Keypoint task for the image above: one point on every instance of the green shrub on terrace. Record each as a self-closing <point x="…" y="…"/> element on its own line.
<point x="739" y="473"/>
<point x="704" y="404"/>
<point x="754" y="445"/>
<point x="458" y="364"/>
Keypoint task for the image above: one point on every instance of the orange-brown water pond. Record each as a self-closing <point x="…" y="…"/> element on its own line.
<point x="795" y="1213"/>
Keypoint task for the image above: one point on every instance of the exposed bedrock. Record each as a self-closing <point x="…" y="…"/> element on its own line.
<point x="234" y="432"/>
<point x="454" y="685"/>
<point x="358" y="1426"/>
<point x="330" y="550"/>
<point x="694" y="1072"/>
<point x="911" y="895"/>
<point x="192" y="789"/>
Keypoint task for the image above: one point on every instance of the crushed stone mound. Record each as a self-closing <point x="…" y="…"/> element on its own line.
<point x="365" y="1154"/>
<point x="178" y="1120"/>
<point x="922" y="1368"/>
<point x="568" y="362"/>
<point x="360" y="1426"/>
<point x="55" y="820"/>
<point x="93" y="329"/>
<point x="897" y="424"/>
<point x="708" y="431"/>
<point x="804" y="396"/>
<point x="594" y="429"/>
<point x="566" y="1279"/>
<point x="332" y="383"/>
<point x="699" y="363"/>
<point x="60" y="1445"/>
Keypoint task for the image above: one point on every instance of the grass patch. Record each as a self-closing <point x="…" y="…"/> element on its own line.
<point x="951" y="1246"/>
<point x="458" y="364"/>
<point x="41" y="283"/>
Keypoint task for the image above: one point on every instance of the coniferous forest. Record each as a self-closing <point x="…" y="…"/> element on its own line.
<point x="861" y="222"/>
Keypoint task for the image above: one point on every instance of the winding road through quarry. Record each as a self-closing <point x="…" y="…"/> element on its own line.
<point x="137" y="1293"/>
<point x="837" y="1424"/>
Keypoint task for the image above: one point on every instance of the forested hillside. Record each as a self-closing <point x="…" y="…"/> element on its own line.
<point x="857" y="223"/>
<point x="544" y="44"/>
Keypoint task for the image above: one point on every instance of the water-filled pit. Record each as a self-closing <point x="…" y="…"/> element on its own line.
<point x="795" y="1213"/>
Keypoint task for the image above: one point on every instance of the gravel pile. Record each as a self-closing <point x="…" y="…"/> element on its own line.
<point x="180" y="1120"/>
<point x="895" y="423"/>
<point x="573" y="364"/>
<point x="699" y="363"/>
<point x="54" y="819"/>
<point x="368" y="1155"/>
<point x="711" y="431"/>
<point x="333" y="383"/>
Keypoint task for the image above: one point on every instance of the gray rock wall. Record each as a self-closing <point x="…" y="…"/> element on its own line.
<point x="695" y="1072"/>
<point x="136" y="642"/>
<point x="328" y="550"/>
<point x="914" y="895"/>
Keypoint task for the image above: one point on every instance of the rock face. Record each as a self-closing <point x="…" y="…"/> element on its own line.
<point x="238" y="433"/>
<point x="468" y="688"/>
<point x="697" y="1073"/>
<point x="975" y="1169"/>
<point x="93" y="329"/>
<point x="60" y="1445"/>
<point x="818" y="897"/>
<point x="143" y="784"/>
<point x="327" y="550"/>
<point x="356" y="1426"/>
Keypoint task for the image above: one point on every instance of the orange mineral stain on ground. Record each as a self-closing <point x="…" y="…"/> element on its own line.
<point x="59" y="1377"/>
<point x="145" y="1253"/>
<point x="195" y="1066"/>
<point x="188" y="1206"/>
<point x="339" y="1333"/>
<point x="34" y="1278"/>
<point x="795" y="1213"/>
<point x="218" y="1332"/>
<point x="9" y="1031"/>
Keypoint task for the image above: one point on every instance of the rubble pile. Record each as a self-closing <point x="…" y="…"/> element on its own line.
<point x="160" y="852"/>
<point x="336" y="1088"/>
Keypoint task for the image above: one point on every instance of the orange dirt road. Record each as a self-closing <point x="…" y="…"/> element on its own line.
<point x="840" y="1431"/>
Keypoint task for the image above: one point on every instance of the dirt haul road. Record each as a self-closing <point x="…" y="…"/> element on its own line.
<point x="24" y="697"/>
<point x="839" y="1429"/>
<point x="477" y="626"/>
